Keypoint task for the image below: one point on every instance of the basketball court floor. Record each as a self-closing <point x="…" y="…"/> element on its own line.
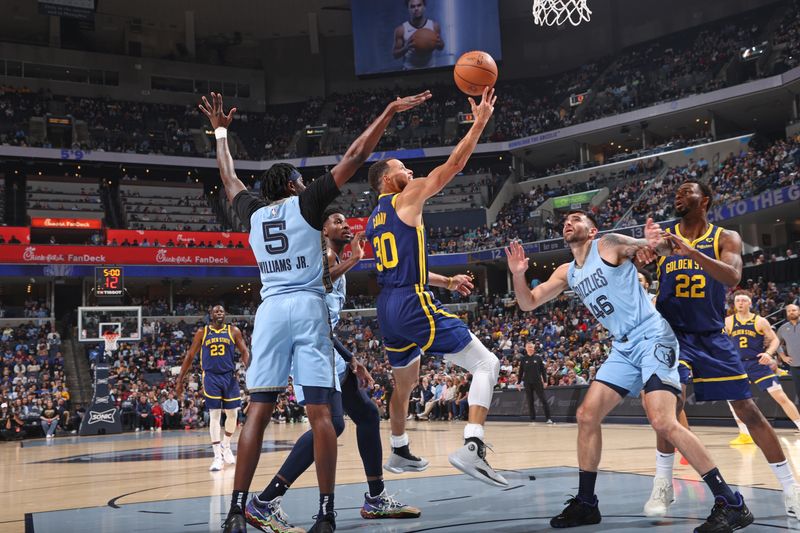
<point x="160" y="482"/>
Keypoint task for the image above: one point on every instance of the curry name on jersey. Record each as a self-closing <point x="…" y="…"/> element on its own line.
<point x="747" y="338"/>
<point x="401" y="254"/>
<point x="217" y="350"/>
<point x="688" y="297"/>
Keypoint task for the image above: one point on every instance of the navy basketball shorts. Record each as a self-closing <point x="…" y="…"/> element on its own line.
<point x="761" y="375"/>
<point x="221" y="391"/>
<point x="412" y="322"/>
<point x="712" y="363"/>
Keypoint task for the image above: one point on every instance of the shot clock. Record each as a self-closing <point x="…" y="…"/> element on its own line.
<point x="108" y="282"/>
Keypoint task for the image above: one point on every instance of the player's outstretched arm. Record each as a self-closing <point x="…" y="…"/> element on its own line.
<point x="238" y="340"/>
<point x="616" y="248"/>
<point x="358" y="152"/>
<point x="220" y="122"/>
<point x="187" y="361"/>
<point x="460" y="283"/>
<point x="418" y="191"/>
<point x="337" y="270"/>
<point x="528" y="299"/>
<point x="727" y="269"/>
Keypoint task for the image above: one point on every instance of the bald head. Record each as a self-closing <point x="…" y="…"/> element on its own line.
<point x="792" y="312"/>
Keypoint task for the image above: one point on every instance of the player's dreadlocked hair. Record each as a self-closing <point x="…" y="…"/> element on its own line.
<point x="275" y="181"/>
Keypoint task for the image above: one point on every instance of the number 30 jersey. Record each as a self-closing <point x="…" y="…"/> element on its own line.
<point x="401" y="251"/>
<point x="688" y="298"/>
<point x="612" y="293"/>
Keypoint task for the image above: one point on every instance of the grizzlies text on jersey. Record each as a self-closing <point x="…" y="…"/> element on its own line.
<point x="644" y="345"/>
<point x="411" y="319"/>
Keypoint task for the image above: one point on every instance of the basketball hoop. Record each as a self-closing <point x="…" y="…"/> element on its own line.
<point x="111" y="338"/>
<point x="557" y="12"/>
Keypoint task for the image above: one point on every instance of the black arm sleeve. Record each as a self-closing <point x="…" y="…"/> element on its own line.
<point x="316" y="198"/>
<point x="245" y="204"/>
<point x="344" y="352"/>
<point x="522" y="371"/>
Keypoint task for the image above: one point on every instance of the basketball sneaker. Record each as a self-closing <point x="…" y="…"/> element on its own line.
<point x="268" y="516"/>
<point x="385" y="506"/>
<point x="577" y="513"/>
<point x="471" y="459"/>
<point x="235" y="522"/>
<point x="324" y="524"/>
<point x="725" y="517"/>
<point x="791" y="499"/>
<point x="227" y="455"/>
<point x="661" y="498"/>
<point x="217" y="464"/>
<point x="742" y="440"/>
<point x="401" y="460"/>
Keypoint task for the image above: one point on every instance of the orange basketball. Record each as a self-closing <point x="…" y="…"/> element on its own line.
<point x="424" y="40"/>
<point x="474" y="71"/>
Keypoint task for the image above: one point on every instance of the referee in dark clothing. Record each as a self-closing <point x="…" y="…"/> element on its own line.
<point x="533" y="375"/>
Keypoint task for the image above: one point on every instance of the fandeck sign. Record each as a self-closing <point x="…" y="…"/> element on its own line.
<point x="67" y="223"/>
<point x="122" y="255"/>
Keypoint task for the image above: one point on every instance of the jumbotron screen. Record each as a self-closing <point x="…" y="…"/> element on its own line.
<point x="421" y="34"/>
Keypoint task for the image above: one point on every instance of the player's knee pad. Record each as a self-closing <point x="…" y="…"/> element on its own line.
<point x="485" y="368"/>
<point x="230" y="420"/>
<point x="214" y="418"/>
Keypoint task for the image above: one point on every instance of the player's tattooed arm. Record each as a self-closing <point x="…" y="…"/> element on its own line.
<point x="230" y="181"/>
<point x="528" y="299"/>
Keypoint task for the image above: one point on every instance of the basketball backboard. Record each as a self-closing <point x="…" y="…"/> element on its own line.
<point x="94" y="321"/>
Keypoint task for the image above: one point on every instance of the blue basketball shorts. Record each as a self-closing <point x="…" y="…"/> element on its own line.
<point x="712" y="363"/>
<point x="412" y="322"/>
<point x="221" y="391"/>
<point x="651" y="349"/>
<point x="341" y="371"/>
<point x="760" y="375"/>
<point x="292" y="332"/>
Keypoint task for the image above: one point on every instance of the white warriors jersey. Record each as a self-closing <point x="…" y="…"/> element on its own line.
<point x="612" y="293"/>
<point x="413" y="60"/>
<point x="290" y="253"/>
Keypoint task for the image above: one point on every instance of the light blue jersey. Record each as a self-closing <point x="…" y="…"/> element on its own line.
<point x="289" y="252"/>
<point x="644" y="346"/>
<point x="612" y="293"/>
<point x="335" y="299"/>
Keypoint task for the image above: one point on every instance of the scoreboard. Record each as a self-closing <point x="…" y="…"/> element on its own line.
<point x="108" y="282"/>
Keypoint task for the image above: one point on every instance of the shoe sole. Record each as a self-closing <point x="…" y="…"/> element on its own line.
<point x="475" y="473"/>
<point x="375" y="516"/>
<point x="397" y="470"/>
<point x="657" y="515"/>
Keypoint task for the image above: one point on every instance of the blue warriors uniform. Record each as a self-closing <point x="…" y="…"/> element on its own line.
<point x="750" y="342"/>
<point x="220" y="386"/>
<point x="292" y="326"/>
<point x="644" y="345"/>
<point x="693" y="303"/>
<point x="411" y="319"/>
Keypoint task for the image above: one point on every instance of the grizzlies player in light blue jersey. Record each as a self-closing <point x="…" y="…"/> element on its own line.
<point x="292" y="324"/>
<point x="412" y="322"/>
<point x="644" y="356"/>
<point x="216" y="343"/>
<point x="264" y="511"/>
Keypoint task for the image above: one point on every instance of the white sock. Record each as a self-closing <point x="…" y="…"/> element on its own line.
<point x="226" y="441"/>
<point x="399" y="441"/>
<point x="797" y="423"/>
<point x="473" y="430"/>
<point x="784" y="474"/>
<point x="217" y="450"/>
<point x="664" y="464"/>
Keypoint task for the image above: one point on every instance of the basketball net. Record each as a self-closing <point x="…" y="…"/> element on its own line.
<point x="111" y="339"/>
<point x="557" y="12"/>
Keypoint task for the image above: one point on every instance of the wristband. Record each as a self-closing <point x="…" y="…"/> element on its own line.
<point x="221" y="133"/>
<point x="450" y="281"/>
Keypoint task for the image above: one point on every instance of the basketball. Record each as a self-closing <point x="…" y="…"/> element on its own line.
<point x="424" y="40"/>
<point x="474" y="71"/>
